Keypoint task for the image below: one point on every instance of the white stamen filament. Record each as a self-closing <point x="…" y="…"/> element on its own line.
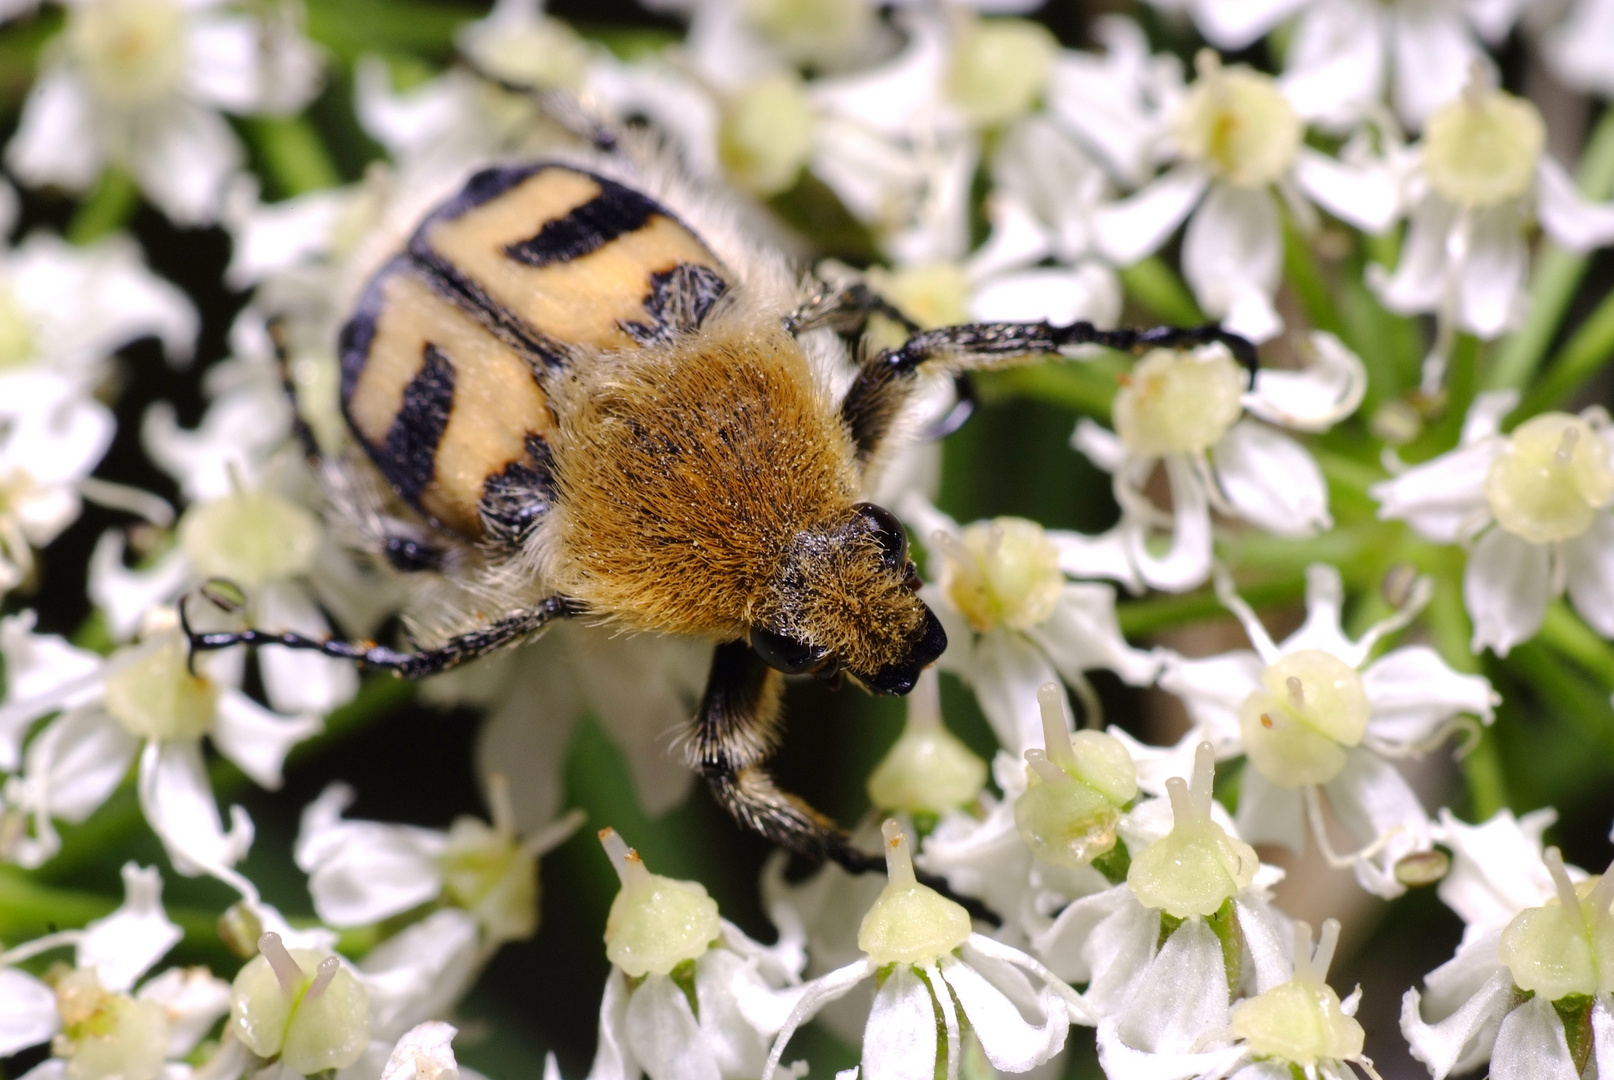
<point x="1566" y="445"/>
<point x="1327" y="942"/>
<point x="1055" y="735"/>
<point x="287" y="973"/>
<point x="554" y="835"/>
<point x="898" y="859"/>
<point x="924" y="703"/>
<point x="143" y="504"/>
<point x="629" y="867"/>
<point x="499" y="806"/>
<point x="1304" y="970"/>
<point x="1039" y="763"/>
<point x="1560" y="880"/>
<point x="1602" y="894"/>
<point x="30" y="949"/>
<point x="1201" y="790"/>
<point x="1297" y="692"/>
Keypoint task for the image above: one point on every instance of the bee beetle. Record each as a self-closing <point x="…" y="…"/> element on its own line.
<point x="581" y="392"/>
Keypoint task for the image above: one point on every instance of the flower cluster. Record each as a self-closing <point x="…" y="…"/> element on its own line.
<point x="1301" y="589"/>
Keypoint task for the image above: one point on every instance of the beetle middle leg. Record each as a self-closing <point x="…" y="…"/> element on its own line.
<point x="735" y="732"/>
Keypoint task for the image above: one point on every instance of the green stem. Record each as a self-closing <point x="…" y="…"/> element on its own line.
<point x="1581" y="357"/>
<point x="1557" y="276"/>
<point x="29" y="909"/>
<point x="1305" y="277"/>
<point x="108" y="208"/>
<point x="1157" y="287"/>
<point x="1141" y="617"/>
<point x="293" y="155"/>
<point x="1087" y="387"/>
<point x="1565" y="634"/>
<point x="1449" y="630"/>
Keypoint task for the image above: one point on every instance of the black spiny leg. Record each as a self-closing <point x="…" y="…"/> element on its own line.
<point x="736" y="732"/>
<point x="845" y="309"/>
<point x="884" y="380"/>
<point x="409" y="665"/>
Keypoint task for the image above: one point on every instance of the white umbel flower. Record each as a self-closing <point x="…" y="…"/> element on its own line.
<point x="932" y="961"/>
<point x="1315" y="719"/>
<point x="1185" y="412"/>
<point x="1533" y="508"/>
<point x="136" y="85"/>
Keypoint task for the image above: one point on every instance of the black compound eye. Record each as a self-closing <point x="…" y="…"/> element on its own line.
<point x="888" y="533"/>
<point x="784" y="653"/>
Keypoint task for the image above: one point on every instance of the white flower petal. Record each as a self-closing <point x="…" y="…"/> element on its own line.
<point x="899" y="1042"/>
<point x="1444" y="498"/>
<point x="1010" y="1041"/>
<point x="1103" y="556"/>
<point x="179" y="805"/>
<point x="1181" y="995"/>
<point x="1315" y="398"/>
<point x="1269" y="814"/>
<point x="1232" y="257"/>
<point x="294" y="680"/>
<point x="28" y="1014"/>
<point x="1334" y="65"/>
<point x="1089" y="291"/>
<point x="1413" y="692"/>
<point x="1603" y="1036"/>
<point x="1589" y="572"/>
<point x="1271" y="480"/>
<point x="1109" y="101"/>
<point x="1231" y="27"/>
<point x="1212" y="689"/>
<point x="1497" y="867"/>
<point x="664" y="1035"/>
<point x="75" y="764"/>
<point x="42" y="667"/>
<point x="125" y="595"/>
<point x="1082" y="635"/>
<point x="424" y="1053"/>
<point x="1490" y="294"/>
<point x="194" y="1001"/>
<point x="1187" y="563"/>
<point x="739" y="1011"/>
<point x="422" y="971"/>
<point x="1568" y="218"/>
<point x="1137" y="226"/>
<point x="1441" y="1046"/>
<point x="1005" y="672"/>
<point x="1576" y="49"/>
<point x="1366" y="196"/>
<point x="1433" y="53"/>
<point x="1419" y="281"/>
<point x="1531" y="1045"/>
<point x="58" y="140"/>
<point x="1506" y="588"/>
<point x="612" y="1058"/>
<point x="360" y="872"/>
<point x="1374" y="802"/>
<point x="184" y="159"/>
<point x="124" y="944"/>
<point x="256" y="739"/>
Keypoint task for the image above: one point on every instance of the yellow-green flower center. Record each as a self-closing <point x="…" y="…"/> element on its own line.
<point x="1237" y="123"/>
<point x="106" y="1035"/>
<point x="303" y="1005"/>
<point x="655" y="922"/>
<point x="820" y="33"/>
<point x="999" y="68"/>
<point x="1196" y="867"/>
<point x="767" y="135"/>
<point x="1482" y="149"/>
<point x="909" y="923"/>
<point x="250" y="538"/>
<point x="1003" y="572"/>
<point x="1177" y="402"/>
<point x="928" y="770"/>
<point x="1076" y="789"/>
<point x="1301" y="1021"/>
<point x="1551" y="479"/>
<point x="1311" y="707"/>
<point x="1565" y="946"/>
<point x="18" y="336"/>
<point x="156" y="696"/>
<point x="486" y="872"/>
<point x="131" y="52"/>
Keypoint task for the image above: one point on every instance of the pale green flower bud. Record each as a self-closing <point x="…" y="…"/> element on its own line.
<point x="909" y="923"/>
<point x="1197" y="867"/>
<point x="131" y="52"/>
<point x="156" y="697"/>
<point x="999" y="68"/>
<point x="1077" y="788"/>
<point x="1296" y="730"/>
<point x="655" y="923"/>
<point x="18" y="336"/>
<point x="928" y="770"/>
<point x="767" y="135"/>
<point x="1483" y="148"/>
<point x="250" y="538"/>
<point x="819" y="33"/>
<point x="106" y="1036"/>
<point x="1003" y="572"/>
<point x="1178" y="402"/>
<point x="1551" y="480"/>
<point x="1237" y="123"/>
<point x="1565" y="946"/>
<point x="1301" y="1021"/>
<point x="548" y="53"/>
<point x="303" y="1005"/>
